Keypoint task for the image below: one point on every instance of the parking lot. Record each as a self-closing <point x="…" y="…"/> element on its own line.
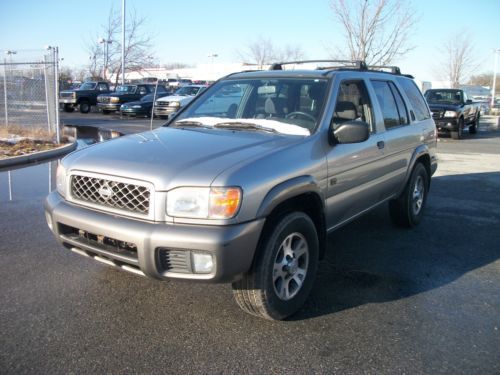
<point x="386" y="300"/>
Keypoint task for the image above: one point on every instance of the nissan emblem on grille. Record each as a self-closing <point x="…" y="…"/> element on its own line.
<point x="108" y="193"/>
<point x="105" y="191"/>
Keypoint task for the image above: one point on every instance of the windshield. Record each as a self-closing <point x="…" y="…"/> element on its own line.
<point x="126" y="89"/>
<point x="285" y="105"/>
<point x="444" y="96"/>
<point x="188" y="90"/>
<point x="88" y="86"/>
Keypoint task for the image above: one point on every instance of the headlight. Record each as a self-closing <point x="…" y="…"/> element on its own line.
<point x="114" y="99"/>
<point x="450" y="114"/>
<point x="174" y="104"/>
<point x="136" y="106"/>
<point x="204" y="202"/>
<point x="74" y="95"/>
<point x="61" y="180"/>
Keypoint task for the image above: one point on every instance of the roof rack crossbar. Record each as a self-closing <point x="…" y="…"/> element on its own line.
<point x="353" y="64"/>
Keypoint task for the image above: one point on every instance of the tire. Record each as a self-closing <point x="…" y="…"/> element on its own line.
<point x="280" y="279"/>
<point x="68" y="108"/>
<point x="407" y="210"/>
<point x="84" y="106"/>
<point x="459" y="133"/>
<point x="475" y="125"/>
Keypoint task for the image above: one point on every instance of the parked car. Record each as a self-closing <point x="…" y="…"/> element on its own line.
<point x="244" y="189"/>
<point x="126" y="93"/>
<point x="452" y="111"/>
<point x="84" y="96"/>
<point x="166" y="106"/>
<point x="141" y="107"/>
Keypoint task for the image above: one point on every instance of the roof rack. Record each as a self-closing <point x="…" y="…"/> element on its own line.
<point x="350" y="64"/>
<point x="389" y="68"/>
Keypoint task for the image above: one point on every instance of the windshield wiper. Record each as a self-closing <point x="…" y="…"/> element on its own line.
<point x="243" y="126"/>
<point x="189" y="123"/>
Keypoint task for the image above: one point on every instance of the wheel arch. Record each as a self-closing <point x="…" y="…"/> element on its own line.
<point x="298" y="194"/>
<point x="420" y="155"/>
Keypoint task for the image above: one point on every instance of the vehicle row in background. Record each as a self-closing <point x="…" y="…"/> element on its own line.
<point x="112" y="102"/>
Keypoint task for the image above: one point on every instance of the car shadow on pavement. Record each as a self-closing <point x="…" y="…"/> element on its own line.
<point x="372" y="261"/>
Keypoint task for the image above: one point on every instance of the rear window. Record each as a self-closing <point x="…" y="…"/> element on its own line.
<point x="420" y="110"/>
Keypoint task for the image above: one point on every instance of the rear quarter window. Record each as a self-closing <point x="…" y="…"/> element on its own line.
<point x="421" y="112"/>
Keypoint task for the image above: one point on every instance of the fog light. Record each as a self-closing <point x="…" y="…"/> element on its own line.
<point x="202" y="262"/>
<point x="49" y="221"/>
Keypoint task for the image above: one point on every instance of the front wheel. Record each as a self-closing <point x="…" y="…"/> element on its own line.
<point x="68" y="108"/>
<point x="407" y="210"/>
<point x="284" y="269"/>
<point x="475" y="125"/>
<point x="459" y="133"/>
<point x="84" y="107"/>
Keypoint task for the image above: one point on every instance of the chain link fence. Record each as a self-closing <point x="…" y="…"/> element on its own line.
<point x="28" y="94"/>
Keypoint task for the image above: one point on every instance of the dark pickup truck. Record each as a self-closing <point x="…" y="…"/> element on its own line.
<point x="452" y="111"/>
<point x="126" y="93"/>
<point x="84" y="97"/>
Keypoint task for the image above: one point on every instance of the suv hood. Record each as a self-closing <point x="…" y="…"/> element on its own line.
<point x="176" y="98"/>
<point x="446" y="107"/>
<point x="171" y="157"/>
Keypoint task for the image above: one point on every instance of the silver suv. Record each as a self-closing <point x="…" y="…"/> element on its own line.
<point x="244" y="183"/>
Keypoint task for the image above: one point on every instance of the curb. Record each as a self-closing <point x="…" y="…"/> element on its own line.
<point x="36" y="157"/>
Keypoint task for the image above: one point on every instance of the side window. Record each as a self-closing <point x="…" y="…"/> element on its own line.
<point x="387" y="103"/>
<point x="102" y="87"/>
<point x="143" y="90"/>
<point x="353" y="103"/>
<point x="403" y="113"/>
<point x="421" y="112"/>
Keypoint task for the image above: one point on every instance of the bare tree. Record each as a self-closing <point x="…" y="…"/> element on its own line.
<point x="485" y="79"/>
<point x="262" y="51"/>
<point x="376" y="31"/>
<point x="137" y="46"/>
<point x="459" y="59"/>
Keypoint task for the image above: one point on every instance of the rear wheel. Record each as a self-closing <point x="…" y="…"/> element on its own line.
<point x="407" y="210"/>
<point x="84" y="106"/>
<point x="284" y="269"/>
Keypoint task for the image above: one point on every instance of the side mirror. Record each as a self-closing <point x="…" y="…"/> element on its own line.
<point x="349" y="132"/>
<point x="469" y="101"/>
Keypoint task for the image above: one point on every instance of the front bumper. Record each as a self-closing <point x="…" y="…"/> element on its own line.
<point x="165" y="111"/>
<point x="88" y="233"/>
<point x="109" y="106"/>
<point x="67" y="101"/>
<point x="446" y="124"/>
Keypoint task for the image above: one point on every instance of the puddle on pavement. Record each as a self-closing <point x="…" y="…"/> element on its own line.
<point x="38" y="180"/>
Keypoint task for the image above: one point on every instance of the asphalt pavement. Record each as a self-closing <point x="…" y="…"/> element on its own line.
<point x="386" y="300"/>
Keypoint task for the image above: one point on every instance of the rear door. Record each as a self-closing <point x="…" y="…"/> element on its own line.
<point x="401" y="138"/>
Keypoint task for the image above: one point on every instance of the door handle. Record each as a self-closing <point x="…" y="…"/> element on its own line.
<point x="380" y="144"/>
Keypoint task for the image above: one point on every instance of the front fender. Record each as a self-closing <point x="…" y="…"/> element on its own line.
<point x="287" y="190"/>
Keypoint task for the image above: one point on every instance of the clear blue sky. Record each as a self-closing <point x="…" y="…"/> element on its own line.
<point x="188" y="30"/>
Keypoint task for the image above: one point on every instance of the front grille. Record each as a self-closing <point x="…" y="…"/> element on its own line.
<point x="66" y="94"/>
<point x="437" y="114"/>
<point x="178" y="261"/>
<point x="119" y="195"/>
<point x="103" y="99"/>
<point x="162" y="104"/>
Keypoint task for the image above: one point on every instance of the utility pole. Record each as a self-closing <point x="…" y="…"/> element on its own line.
<point x="494" y="78"/>
<point x="123" y="42"/>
